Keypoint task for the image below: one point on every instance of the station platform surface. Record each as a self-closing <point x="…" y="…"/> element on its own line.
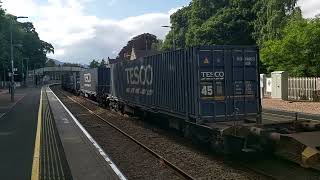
<point x="85" y="158"/>
<point x="18" y="124"/>
<point x="40" y="139"/>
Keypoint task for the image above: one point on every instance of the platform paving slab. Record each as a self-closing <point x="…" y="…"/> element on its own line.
<point x="84" y="159"/>
<point x="18" y="124"/>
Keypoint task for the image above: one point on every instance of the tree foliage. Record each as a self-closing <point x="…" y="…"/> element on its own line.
<point x="298" y="51"/>
<point x="94" y="64"/>
<point x="103" y="63"/>
<point x="287" y="40"/>
<point x="33" y="48"/>
<point x="157" y="46"/>
<point x="71" y="64"/>
<point x="271" y="17"/>
<point x="208" y="22"/>
<point x="223" y="22"/>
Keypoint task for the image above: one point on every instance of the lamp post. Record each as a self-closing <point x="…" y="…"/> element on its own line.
<point x="4" y="75"/>
<point x="25" y="75"/>
<point x="12" y="67"/>
<point x="174" y="41"/>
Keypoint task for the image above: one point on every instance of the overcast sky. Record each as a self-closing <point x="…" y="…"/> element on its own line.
<point x="82" y="30"/>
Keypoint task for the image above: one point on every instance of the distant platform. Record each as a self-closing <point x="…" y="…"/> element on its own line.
<point x="41" y="139"/>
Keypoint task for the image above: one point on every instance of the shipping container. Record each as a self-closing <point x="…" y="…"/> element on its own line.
<point x="71" y="81"/>
<point x="104" y="82"/>
<point x="95" y="82"/>
<point x="199" y="84"/>
<point x="89" y="81"/>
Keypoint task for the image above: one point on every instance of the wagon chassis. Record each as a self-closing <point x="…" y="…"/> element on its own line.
<point x="263" y="170"/>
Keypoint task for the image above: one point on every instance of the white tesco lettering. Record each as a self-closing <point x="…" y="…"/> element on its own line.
<point x="211" y="75"/>
<point x="142" y="75"/>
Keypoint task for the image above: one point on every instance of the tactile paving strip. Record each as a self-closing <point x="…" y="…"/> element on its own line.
<point x="53" y="164"/>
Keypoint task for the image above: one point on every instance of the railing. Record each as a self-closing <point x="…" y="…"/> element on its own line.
<point x="302" y="88"/>
<point x="4" y="84"/>
<point x="58" y="69"/>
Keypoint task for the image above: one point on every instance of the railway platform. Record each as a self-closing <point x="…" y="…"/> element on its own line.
<point x="18" y="122"/>
<point x="85" y="158"/>
<point x="41" y="139"/>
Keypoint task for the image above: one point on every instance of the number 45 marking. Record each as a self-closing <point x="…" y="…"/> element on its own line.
<point x="207" y="90"/>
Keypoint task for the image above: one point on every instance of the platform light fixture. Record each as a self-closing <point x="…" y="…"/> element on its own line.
<point x="174" y="42"/>
<point x="12" y="66"/>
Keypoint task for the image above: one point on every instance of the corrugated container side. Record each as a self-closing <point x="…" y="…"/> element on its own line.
<point x="88" y="81"/>
<point x="70" y="81"/>
<point x="228" y="83"/>
<point x="153" y="82"/>
<point x="104" y="81"/>
<point x="211" y="83"/>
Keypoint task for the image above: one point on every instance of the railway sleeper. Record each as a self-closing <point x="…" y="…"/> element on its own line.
<point x="287" y="140"/>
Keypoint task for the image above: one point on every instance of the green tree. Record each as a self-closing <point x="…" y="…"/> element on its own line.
<point x="71" y="64"/>
<point x="230" y="26"/>
<point x="103" y="63"/>
<point x="271" y="17"/>
<point x="180" y="25"/>
<point x="157" y="46"/>
<point x="94" y="64"/>
<point x="24" y="34"/>
<point x="298" y="51"/>
<point x="208" y="22"/>
<point x="237" y="22"/>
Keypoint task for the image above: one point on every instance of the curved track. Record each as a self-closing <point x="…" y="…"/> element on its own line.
<point x="269" y="168"/>
<point x="162" y="159"/>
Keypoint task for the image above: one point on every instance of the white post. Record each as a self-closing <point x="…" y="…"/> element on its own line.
<point x="262" y="85"/>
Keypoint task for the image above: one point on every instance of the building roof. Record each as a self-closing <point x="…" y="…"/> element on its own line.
<point x="136" y="54"/>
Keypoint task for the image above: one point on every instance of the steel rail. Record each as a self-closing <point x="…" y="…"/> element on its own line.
<point x="180" y="171"/>
<point x="177" y="169"/>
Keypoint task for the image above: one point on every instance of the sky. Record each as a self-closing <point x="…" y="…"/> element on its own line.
<point x="82" y="30"/>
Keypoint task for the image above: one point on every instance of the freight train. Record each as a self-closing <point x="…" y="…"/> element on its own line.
<point x="210" y="93"/>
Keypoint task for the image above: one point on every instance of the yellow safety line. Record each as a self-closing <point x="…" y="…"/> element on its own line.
<point x="36" y="154"/>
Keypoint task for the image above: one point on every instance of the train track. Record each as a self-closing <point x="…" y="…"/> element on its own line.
<point x="271" y="169"/>
<point x="162" y="159"/>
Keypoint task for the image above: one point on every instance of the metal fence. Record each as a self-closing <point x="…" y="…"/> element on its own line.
<point x="4" y="84"/>
<point x="303" y="88"/>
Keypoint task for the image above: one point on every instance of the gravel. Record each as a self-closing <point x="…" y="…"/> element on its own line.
<point x="133" y="161"/>
<point x="178" y="150"/>
<point x="304" y="107"/>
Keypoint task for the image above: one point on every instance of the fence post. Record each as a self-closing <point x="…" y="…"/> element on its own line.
<point x="303" y="88"/>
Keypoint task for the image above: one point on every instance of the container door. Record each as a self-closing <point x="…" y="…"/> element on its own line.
<point x="212" y="83"/>
<point x="228" y="84"/>
<point x="243" y="99"/>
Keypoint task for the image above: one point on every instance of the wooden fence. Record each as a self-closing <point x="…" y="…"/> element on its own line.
<point x="303" y="88"/>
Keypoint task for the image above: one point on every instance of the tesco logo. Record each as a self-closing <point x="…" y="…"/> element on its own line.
<point x="212" y="75"/>
<point x="140" y="75"/>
